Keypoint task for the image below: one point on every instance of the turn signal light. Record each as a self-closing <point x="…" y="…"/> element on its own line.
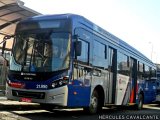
<point x="16" y="84"/>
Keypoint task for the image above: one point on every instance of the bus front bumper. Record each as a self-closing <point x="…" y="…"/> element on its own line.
<point x="57" y="96"/>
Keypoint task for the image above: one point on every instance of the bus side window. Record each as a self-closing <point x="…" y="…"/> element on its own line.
<point x="147" y="72"/>
<point x="100" y="55"/>
<point x="153" y="72"/>
<point x="140" y="70"/>
<point x="123" y="64"/>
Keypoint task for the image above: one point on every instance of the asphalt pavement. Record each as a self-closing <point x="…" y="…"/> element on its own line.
<point x="15" y="105"/>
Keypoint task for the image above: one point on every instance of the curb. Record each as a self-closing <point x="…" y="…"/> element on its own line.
<point x="16" y="105"/>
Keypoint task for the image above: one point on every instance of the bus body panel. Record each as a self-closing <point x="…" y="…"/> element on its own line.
<point x="148" y="87"/>
<point x="122" y="92"/>
<point x="78" y="96"/>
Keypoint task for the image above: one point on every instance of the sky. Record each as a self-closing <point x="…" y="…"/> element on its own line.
<point x="137" y="22"/>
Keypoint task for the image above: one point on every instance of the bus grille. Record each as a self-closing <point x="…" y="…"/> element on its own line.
<point x="36" y="95"/>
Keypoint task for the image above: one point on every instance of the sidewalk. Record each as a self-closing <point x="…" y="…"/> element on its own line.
<point x="16" y="105"/>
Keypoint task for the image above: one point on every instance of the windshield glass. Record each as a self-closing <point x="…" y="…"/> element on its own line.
<point x="42" y="51"/>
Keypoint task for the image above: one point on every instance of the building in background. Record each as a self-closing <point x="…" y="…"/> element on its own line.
<point x="11" y="12"/>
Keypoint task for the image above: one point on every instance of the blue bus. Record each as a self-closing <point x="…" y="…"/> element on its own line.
<point x="158" y="84"/>
<point x="67" y="61"/>
<point x="149" y="88"/>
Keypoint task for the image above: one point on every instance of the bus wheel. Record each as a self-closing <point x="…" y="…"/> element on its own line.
<point x="47" y="107"/>
<point x="94" y="102"/>
<point x="139" y="106"/>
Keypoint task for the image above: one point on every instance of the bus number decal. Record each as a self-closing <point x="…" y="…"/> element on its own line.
<point x="41" y="86"/>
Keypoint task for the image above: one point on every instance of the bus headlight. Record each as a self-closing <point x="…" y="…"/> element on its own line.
<point x="60" y="82"/>
<point x="53" y="84"/>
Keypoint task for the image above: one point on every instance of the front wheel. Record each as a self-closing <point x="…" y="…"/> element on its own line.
<point x="47" y="107"/>
<point x="94" y="106"/>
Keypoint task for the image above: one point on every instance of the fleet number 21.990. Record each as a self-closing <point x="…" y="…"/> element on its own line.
<point x="41" y="86"/>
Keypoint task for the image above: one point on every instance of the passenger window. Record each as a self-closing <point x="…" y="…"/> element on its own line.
<point x="147" y="72"/>
<point x="140" y="70"/>
<point x="153" y="72"/>
<point x="123" y="64"/>
<point x="100" y="55"/>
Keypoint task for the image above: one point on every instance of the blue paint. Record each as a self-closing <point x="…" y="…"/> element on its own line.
<point x="148" y="88"/>
<point x="81" y="99"/>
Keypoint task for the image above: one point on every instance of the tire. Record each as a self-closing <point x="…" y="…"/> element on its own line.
<point x="139" y="106"/>
<point x="94" y="106"/>
<point x="47" y="107"/>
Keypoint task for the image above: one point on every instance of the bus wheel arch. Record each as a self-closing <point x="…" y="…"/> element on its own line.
<point x="100" y="92"/>
<point x="96" y="100"/>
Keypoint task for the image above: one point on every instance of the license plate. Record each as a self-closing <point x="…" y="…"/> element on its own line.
<point x="26" y="100"/>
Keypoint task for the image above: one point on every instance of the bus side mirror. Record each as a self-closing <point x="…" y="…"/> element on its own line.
<point x="78" y="48"/>
<point x="4" y="43"/>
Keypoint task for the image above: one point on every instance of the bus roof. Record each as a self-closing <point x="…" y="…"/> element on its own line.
<point x="94" y="27"/>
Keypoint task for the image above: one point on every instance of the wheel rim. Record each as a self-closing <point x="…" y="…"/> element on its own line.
<point x="94" y="103"/>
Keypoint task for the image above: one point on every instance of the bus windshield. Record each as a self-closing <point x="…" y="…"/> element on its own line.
<point x="42" y="51"/>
